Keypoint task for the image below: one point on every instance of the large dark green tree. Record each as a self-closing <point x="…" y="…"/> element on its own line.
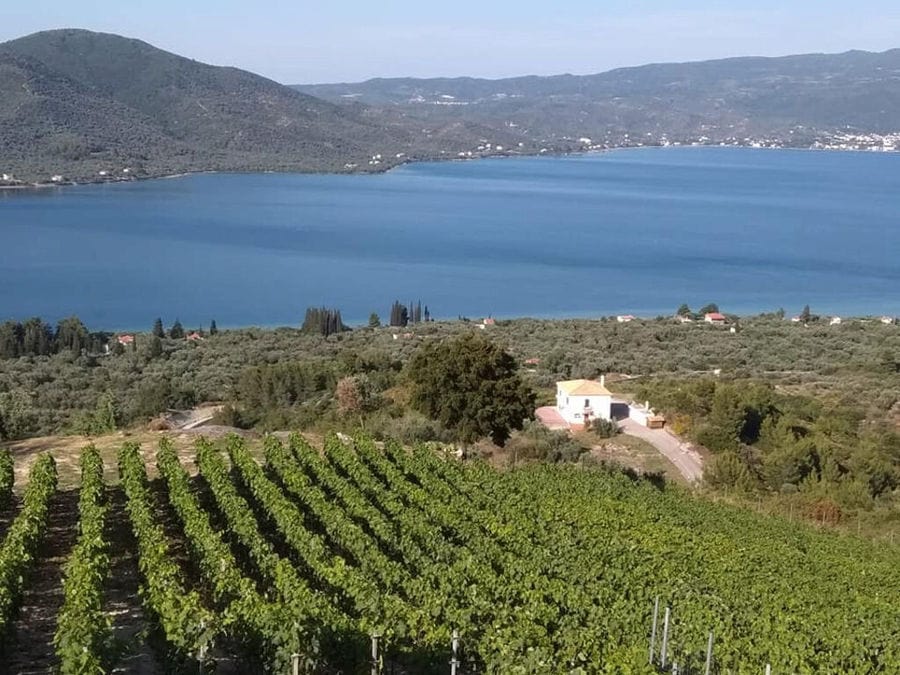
<point x="472" y="387"/>
<point x="71" y="334"/>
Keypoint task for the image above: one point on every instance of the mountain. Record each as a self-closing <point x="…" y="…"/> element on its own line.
<point x="75" y="103"/>
<point x="807" y="96"/>
<point x="94" y="106"/>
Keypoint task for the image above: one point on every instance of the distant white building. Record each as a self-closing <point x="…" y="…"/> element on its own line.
<point x="579" y="401"/>
<point x="887" y="320"/>
<point x="625" y="318"/>
<point x="835" y="321"/>
<point x="56" y="179"/>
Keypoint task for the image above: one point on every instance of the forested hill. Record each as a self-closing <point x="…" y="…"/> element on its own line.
<point x="75" y="103"/>
<point x="93" y="106"/>
<point x="807" y="96"/>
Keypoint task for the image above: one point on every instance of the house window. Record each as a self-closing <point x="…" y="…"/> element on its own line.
<point x="587" y="403"/>
<point x="567" y="400"/>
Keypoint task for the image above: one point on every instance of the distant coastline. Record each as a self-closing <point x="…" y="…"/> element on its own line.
<point x="386" y="168"/>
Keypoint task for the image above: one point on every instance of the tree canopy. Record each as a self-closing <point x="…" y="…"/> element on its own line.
<point x="471" y="386"/>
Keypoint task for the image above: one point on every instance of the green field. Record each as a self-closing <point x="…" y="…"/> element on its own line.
<point x="544" y="569"/>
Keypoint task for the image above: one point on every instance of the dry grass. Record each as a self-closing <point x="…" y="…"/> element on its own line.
<point x="66" y="450"/>
<point x="634" y="453"/>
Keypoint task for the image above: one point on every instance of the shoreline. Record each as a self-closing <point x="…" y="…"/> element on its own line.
<point x="362" y="325"/>
<point x="406" y="162"/>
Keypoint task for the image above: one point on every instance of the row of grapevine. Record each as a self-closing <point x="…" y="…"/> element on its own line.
<point x="83" y="629"/>
<point x="188" y="627"/>
<point x="7" y="477"/>
<point x="17" y="553"/>
<point x="271" y="631"/>
<point x="376" y="611"/>
<point x="452" y="572"/>
<point x="334" y="520"/>
<point x="516" y="612"/>
<point x="337" y="631"/>
<point x="433" y="564"/>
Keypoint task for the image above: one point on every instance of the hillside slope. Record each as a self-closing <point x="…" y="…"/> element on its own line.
<point x="728" y="98"/>
<point x="74" y="103"/>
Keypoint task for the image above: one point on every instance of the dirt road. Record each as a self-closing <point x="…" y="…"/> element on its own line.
<point x="687" y="460"/>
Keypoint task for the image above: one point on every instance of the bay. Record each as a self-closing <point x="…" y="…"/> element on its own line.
<point x="624" y="232"/>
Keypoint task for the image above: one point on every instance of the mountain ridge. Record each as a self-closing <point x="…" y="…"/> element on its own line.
<point x="77" y="105"/>
<point x="813" y="96"/>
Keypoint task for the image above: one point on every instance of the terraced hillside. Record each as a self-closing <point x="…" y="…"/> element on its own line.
<point x="299" y="560"/>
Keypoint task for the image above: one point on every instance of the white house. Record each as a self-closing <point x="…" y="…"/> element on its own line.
<point x="579" y="401"/>
<point x="625" y="318"/>
<point x="835" y="321"/>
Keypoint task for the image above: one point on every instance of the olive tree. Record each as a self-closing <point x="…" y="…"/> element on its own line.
<point x="472" y="387"/>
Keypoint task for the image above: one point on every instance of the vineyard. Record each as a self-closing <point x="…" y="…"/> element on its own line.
<point x="361" y="557"/>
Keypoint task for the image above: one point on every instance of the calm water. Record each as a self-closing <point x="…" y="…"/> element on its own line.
<point x="624" y="232"/>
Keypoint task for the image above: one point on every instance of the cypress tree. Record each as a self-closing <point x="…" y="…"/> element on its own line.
<point x="158" y="330"/>
<point x="154" y="349"/>
<point x="213" y="329"/>
<point x="10" y="342"/>
<point x="72" y="335"/>
<point x="176" y="332"/>
<point x="323" y="321"/>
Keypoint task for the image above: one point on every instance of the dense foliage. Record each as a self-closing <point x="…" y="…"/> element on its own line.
<point x="283" y="379"/>
<point x="34" y="337"/>
<point x="471" y="386"/>
<point x="765" y="438"/>
<point x="83" y="628"/>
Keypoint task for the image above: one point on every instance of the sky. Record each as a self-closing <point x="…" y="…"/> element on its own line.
<point x="300" y="41"/>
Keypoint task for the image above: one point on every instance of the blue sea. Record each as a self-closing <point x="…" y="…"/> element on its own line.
<point x="624" y="232"/>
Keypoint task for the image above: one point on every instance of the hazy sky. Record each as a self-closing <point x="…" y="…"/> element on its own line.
<point x="298" y="41"/>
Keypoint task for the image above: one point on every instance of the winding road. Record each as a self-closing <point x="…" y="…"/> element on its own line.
<point x="681" y="454"/>
<point x="685" y="458"/>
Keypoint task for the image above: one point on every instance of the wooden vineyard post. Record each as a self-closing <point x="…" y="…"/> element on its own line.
<point x="709" y="648"/>
<point x="653" y="629"/>
<point x="663" y="657"/>
<point x="454" y="647"/>
<point x="295" y="664"/>
<point x="375" y="665"/>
